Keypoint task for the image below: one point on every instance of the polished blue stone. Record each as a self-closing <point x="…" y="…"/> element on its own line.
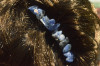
<point x="67" y="48"/>
<point x="40" y="13"/>
<point x="55" y="27"/>
<point x="32" y="8"/>
<point x="45" y="21"/>
<point x="52" y="21"/>
<point x="57" y="34"/>
<point x="64" y="42"/>
<point x="61" y="37"/>
<point x="69" y="57"/>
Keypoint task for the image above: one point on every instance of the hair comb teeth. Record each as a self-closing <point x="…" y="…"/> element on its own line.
<point x="52" y="26"/>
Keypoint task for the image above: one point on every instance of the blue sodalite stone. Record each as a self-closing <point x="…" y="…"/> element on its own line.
<point x="49" y="24"/>
<point x="61" y="37"/>
<point x="57" y="34"/>
<point x="40" y="13"/>
<point x="53" y="27"/>
<point x="64" y="42"/>
<point x="69" y="57"/>
<point x="45" y="21"/>
<point x="52" y="21"/>
<point x="67" y="48"/>
<point x="32" y="8"/>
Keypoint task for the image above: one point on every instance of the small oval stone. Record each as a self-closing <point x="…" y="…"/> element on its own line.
<point x="67" y="48"/>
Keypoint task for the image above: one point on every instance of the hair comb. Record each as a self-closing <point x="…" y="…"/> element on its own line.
<point x="53" y="27"/>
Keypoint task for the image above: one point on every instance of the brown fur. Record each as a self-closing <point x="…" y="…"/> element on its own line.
<point x="24" y="41"/>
